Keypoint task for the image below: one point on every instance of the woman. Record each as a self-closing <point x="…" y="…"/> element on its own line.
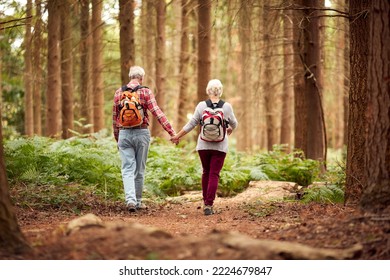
<point x="211" y="154"/>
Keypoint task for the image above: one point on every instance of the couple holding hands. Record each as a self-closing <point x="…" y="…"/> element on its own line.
<point x="133" y="143"/>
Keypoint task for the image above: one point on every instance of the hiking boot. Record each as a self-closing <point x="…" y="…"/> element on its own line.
<point x="131" y="208"/>
<point x="208" y="210"/>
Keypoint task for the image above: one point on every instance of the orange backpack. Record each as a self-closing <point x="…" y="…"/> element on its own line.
<point x="131" y="112"/>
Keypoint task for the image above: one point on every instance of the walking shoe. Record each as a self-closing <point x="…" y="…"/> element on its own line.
<point x="208" y="210"/>
<point x="131" y="208"/>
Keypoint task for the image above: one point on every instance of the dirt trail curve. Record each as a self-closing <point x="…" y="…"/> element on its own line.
<point x="255" y="224"/>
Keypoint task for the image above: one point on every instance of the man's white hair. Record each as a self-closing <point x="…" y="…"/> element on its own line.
<point x="214" y="88"/>
<point x="136" y="72"/>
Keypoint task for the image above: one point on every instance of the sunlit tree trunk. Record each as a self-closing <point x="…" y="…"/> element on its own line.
<point x="53" y="92"/>
<point x="126" y="37"/>
<point x="376" y="195"/>
<point x="85" y="64"/>
<point x="347" y="76"/>
<point x="288" y="86"/>
<point x="97" y="65"/>
<point x="12" y="240"/>
<point x="245" y="79"/>
<point x="316" y="142"/>
<point x="28" y="81"/>
<point x="204" y="46"/>
<point x="66" y="69"/>
<point x="359" y="29"/>
<point x="37" y="68"/>
<point x="300" y="129"/>
<point x="270" y="94"/>
<point x="157" y="130"/>
<point x="183" y="65"/>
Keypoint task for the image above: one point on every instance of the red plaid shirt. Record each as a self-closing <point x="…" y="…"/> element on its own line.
<point x="148" y="102"/>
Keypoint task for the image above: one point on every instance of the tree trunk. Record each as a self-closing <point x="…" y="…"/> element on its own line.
<point x="355" y="173"/>
<point x="28" y="81"/>
<point x="66" y="69"/>
<point x="376" y="196"/>
<point x="300" y="129"/>
<point x="183" y="66"/>
<point x="157" y="130"/>
<point x="37" y="68"/>
<point x="12" y="240"/>
<point x="347" y="76"/>
<point x="316" y="139"/>
<point x="126" y="37"/>
<point x="97" y="65"/>
<point x="288" y="86"/>
<point x="204" y="46"/>
<point x="53" y="92"/>
<point x="270" y="94"/>
<point x="245" y="79"/>
<point x="85" y="64"/>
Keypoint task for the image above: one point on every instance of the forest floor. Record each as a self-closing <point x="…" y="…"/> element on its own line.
<point x="242" y="228"/>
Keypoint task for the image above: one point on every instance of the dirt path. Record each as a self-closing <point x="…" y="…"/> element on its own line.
<point x="178" y="229"/>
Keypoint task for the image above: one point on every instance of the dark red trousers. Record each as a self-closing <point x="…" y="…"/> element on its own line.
<point x="212" y="163"/>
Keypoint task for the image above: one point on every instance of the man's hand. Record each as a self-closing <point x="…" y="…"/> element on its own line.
<point x="175" y="139"/>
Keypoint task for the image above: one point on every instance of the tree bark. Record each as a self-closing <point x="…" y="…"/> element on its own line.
<point x="300" y="129"/>
<point x="157" y="130"/>
<point x="97" y="65"/>
<point x="376" y="195"/>
<point x="355" y="173"/>
<point x="126" y="37"/>
<point x="204" y="46"/>
<point x="270" y="94"/>
<point x="12" y="240"/>
<point x="66" y="69"/>
<point x="288" y="85"/>
<point x="183" y="66"/>
<point x="37" y="68"/>
<point x="316" y="138"/>
<point x="85" y="68"/>
<point x="53" y="93"/>
<point x="347" y="77"/>
<point x="245" y="79"/>
<point x="28" y="81"/>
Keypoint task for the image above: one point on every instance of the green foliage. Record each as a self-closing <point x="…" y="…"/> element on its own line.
<point x="235" y="174"/>
<point x="281" y="166"/>
<point x="333" y="190"/>
<point x="83" y="161"/>
<point x="66" y="173"/>
<point x="324" y="194"/>
<point x="170" y="169"/>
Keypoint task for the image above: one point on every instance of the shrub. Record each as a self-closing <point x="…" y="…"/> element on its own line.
<point x="281" y="166"/>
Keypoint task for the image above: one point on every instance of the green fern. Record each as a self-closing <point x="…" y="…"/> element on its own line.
<point x="324" y="194"/>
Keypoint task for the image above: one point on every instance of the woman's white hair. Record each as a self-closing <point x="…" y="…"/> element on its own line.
<point x="136" y="72"/>
<point x="214" y="88"/>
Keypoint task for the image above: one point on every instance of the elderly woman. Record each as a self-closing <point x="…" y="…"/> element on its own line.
<point x="211" y="154"/>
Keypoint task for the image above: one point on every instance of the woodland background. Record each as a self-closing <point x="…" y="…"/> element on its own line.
<point x="60" y="72"/>
<point x="308" y="75"/>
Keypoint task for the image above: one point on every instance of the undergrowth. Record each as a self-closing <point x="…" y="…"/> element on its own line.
<point x="71" y="173"/>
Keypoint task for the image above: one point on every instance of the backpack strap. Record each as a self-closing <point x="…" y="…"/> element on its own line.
<point x="126" y="88"/>
<point x="211" y="104"/>
<point x="220" y="103"/>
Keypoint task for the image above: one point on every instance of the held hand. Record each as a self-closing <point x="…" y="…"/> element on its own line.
<point x="175" y="139"/>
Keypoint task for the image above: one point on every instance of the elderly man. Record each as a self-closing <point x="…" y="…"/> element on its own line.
<point x="133" y="142"/>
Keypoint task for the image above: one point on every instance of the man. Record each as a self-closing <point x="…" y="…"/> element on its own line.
<point x="133" y="142"/>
